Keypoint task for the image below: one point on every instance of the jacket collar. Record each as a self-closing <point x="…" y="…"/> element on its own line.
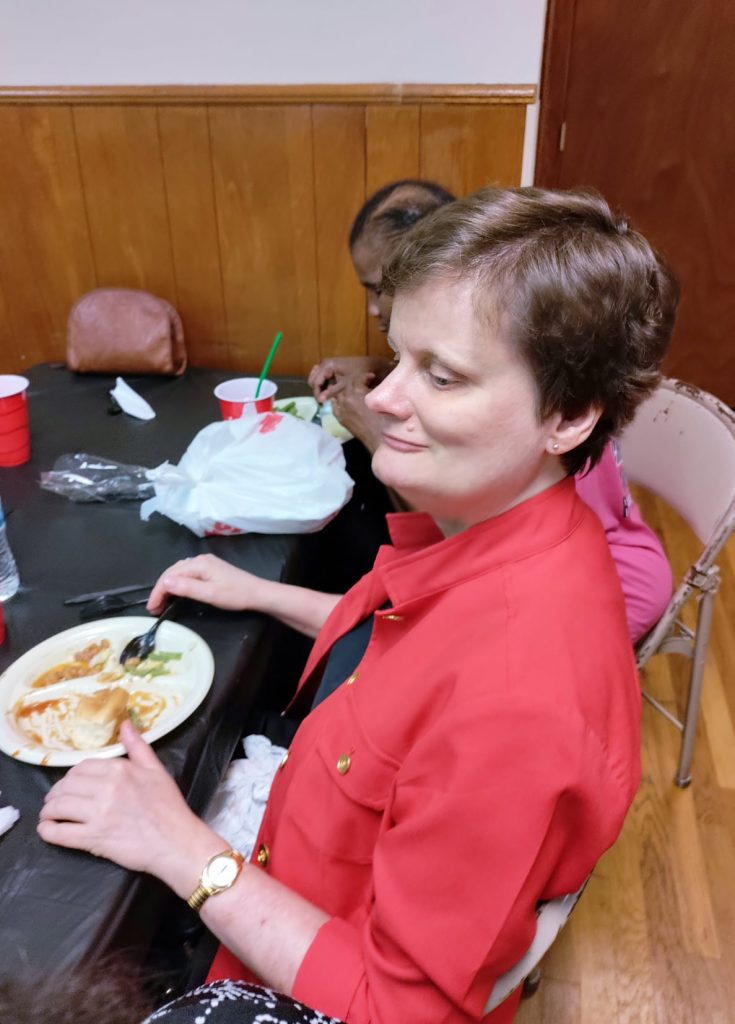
<point x="421" y="561"/>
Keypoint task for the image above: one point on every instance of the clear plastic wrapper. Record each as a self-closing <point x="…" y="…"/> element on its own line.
<point x="84" y="477"/>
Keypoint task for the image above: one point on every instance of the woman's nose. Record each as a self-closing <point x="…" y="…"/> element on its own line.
<point x="390" y="396"/>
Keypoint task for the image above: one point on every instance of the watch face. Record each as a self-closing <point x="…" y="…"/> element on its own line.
<point x="222" y="871"/>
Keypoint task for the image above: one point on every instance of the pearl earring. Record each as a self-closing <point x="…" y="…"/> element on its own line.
<point x="555" y="446"/>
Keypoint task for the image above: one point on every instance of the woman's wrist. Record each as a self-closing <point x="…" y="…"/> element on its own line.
<point x="181" y="866"/>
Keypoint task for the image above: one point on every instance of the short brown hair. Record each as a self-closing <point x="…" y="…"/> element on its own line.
<point x="587" y="302"/>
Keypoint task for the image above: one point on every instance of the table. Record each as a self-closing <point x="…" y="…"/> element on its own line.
<point x="60" y="908"/>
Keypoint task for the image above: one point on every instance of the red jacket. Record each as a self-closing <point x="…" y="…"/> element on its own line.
<point x="482" y="757"/>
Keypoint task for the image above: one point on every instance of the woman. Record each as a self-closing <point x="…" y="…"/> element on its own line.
<point x="483" y="750"/>
<point x="350" y="542"/>
<point x="379" y="225"/>
<point x="642" y="565"/>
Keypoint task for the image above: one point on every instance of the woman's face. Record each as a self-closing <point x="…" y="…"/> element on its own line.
<point x="460" y="435"/>
<point x="368" y="255"/>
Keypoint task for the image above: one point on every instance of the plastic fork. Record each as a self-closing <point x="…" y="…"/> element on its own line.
<point x="141" y="646"/>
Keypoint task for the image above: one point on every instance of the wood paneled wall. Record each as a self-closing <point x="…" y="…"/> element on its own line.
<point x="232" y="203"/>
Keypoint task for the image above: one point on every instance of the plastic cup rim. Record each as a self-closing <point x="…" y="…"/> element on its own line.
<point x="12" y="381"/>
<point x="268" y="390"/>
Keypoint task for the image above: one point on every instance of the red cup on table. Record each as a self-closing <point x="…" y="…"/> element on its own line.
<point x="15" y="435"/>
<point x="236" y="397"/>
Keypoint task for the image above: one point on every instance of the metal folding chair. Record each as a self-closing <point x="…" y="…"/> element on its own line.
<point x="551" y="918"/>
<point x="681" y="447"/>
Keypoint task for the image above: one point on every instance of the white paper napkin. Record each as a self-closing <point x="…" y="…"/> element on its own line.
<point x="130" y="401"/>
<point x="8" y="817"/>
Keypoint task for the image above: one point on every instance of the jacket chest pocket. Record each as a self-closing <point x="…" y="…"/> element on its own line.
<point x="354" y="787"/>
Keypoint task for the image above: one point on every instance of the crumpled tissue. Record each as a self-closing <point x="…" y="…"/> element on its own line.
<point x="130" y="401"/>
<point x="239" y="801"/>
<point x="8" y="817"/>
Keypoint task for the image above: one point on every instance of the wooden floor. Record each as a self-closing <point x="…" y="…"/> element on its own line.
<point x="652" y="940"/>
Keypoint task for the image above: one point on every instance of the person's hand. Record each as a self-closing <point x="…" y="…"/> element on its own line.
<point x="208" y="579"/>
<point x="130" y="811"/>
<point x="329" y="376"/>
<point x="348" y="405"/>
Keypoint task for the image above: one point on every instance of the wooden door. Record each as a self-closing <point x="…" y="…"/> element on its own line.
<point x="637" y="100"/>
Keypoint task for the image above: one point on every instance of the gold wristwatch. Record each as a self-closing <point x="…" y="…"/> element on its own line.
<point x="220" y="872"/>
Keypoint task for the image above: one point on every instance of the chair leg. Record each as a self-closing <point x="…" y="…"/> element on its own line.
<point x="531" y="982"/>
<point x="704" y="624"/>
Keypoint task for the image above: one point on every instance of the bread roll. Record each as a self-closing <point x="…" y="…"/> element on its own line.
<point x="98" y="717"/>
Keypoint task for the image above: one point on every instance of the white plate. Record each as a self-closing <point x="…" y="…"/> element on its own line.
<point x="306" y="408"/>
<point x="305" y="405"/>
<point x="185" y="688"/>
<point x="331" y="424"/>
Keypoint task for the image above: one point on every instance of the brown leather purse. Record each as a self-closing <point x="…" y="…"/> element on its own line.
<point x="120" y="330"/>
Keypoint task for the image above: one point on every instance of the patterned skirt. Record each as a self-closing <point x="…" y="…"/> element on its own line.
<point x="235" y="1002"/>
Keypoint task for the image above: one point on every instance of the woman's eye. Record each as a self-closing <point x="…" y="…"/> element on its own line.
<point x="441" y="382"/>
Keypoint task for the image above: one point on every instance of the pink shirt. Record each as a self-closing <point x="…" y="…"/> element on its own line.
<point x="644" y="570"/>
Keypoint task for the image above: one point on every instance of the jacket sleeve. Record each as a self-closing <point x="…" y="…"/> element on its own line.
<point x="494" y="808"/>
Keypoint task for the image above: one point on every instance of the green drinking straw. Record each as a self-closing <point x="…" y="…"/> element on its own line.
<point x="268" y="361"/>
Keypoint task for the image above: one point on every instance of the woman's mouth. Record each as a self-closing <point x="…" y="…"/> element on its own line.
<point x="399" y="444"/>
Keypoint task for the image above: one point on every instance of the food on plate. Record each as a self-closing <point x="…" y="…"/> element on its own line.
<point x="85" y="693"/>
<point x="97" y="718"/>
<point x="86" y="716"/>
<point x="43" y="722"/>
<point x="92" y="650"/>
<point x="88" y="721"/>
<point x="152" y="666"/>
<point x="291" y="408"/>
<point x="303" y="407"/>
<point x="78" y="668"/>
<point x="144" y="708"/>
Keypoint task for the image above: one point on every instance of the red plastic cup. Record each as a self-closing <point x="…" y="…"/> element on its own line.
<point x="11" y="421"/>
<point x="236" y="397"/>
<point x="15" y="437"/>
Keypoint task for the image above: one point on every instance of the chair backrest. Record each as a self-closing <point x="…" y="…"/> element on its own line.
<point x="550" y="920"/>
<point x="681" y="446"/>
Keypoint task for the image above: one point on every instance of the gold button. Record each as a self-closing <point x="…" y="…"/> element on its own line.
<point x="343" y="764"/>
<point x="263" y="855"/>
<point x="352" y="679"/>
<point x="283" y="761"/>
<point x="393" y="618"/>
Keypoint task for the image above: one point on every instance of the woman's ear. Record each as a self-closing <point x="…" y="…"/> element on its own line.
<point x="567" y="434"/>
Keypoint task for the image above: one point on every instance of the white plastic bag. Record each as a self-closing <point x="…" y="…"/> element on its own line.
<point x="270" y="473"/>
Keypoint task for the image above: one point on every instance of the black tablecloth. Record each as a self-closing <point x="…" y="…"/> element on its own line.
<point x="59" y="908"/>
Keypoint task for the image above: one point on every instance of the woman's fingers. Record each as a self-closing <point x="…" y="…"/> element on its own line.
<point x="67" y="807"/>
<point x="138" y="751"/>
<point x="64" y="833"/>
<point x="181" y="579"/>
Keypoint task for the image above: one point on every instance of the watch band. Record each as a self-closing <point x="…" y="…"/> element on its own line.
<point x="197" y="898"/>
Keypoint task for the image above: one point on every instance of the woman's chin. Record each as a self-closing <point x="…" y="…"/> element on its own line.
<point x="385" y="468"/>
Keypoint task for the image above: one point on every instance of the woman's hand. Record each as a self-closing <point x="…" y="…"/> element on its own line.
<point x="130" y="811"/>
<point x="210" y="580"/>
<point x="327" y="377"/>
